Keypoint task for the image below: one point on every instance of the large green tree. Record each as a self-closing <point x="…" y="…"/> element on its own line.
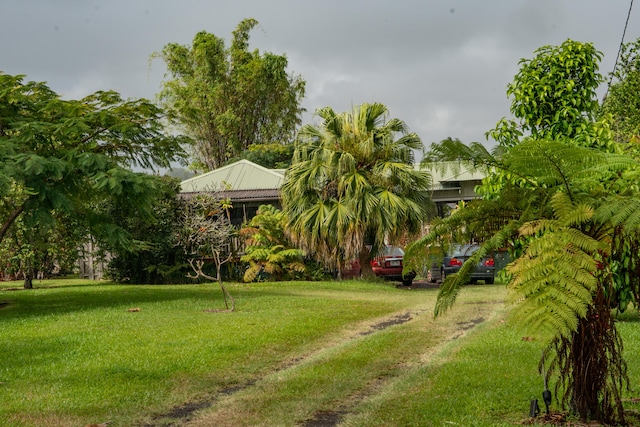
<point x="353" y="183"/>
<point x="228" y="98"/>
<point x="622" y="102"/>
<point x="62" y="158"/>
<point x="553" y="96"/>
<point x="161" y="260"/>
<point x="564" y="200"/>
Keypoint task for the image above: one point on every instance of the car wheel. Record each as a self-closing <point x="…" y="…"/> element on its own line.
<point x="489" y="281"/>
<point x="407" y="281"/>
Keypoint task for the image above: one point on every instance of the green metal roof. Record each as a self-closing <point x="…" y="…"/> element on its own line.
<point x="242" y="175"/>
<point x="245" y="175"/>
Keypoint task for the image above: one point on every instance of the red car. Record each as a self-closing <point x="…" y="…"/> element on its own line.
<point x="389" y="265"/>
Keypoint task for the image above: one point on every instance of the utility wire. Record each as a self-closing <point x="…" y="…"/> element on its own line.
<point x="615" y="64"/>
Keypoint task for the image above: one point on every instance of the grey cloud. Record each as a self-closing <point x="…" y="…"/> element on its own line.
<point x="440" y="65"/>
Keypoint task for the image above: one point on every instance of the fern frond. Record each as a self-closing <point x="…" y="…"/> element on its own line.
<point x="622" y="211"/>
<point x="609" y="163"/>
<point x="568" y="212"/>
<point x="553" y="282"/>
<point x="297" y="266"/>
<point x="540" y="226"/>
<point x="252" y="272"/>
<point x="452" y="284"/>
<point x="448" y="293"/>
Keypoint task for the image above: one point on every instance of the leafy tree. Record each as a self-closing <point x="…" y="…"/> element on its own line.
<point x="622" y="101"/>
<point x="161" y="260"/>
<point x="271" y="156"/>
<point x="565" y="204"/>
<point x="64" y="157"/>
<point x="267" y="247"/>
<point x="205" y="234"/>
<point x="352" y="183"/>
<point x="41" y="251"/>
<point x="228" y="98"/>
<point x="553" y="96"/>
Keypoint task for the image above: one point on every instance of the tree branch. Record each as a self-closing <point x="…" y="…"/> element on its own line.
<point x="12" y="217"/>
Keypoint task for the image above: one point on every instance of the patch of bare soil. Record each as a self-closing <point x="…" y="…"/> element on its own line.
<point x="325" y="419"/>
<point x="395" y="320"/>
<point x="181" y="414"/>
<point x="178" y="415"/>
<point x="419" y="285"/>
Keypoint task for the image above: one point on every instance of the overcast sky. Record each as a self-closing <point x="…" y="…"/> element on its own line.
<point x="442" y="66"/>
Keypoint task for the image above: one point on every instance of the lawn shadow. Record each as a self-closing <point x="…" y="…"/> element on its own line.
<point x="69" y="298"/>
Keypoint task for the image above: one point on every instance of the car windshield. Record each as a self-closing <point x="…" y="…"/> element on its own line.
<point x="463" y="250"/>
<point x="392" y="251"/>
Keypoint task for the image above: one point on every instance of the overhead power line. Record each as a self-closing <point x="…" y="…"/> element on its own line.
<point x="615" y="64"/>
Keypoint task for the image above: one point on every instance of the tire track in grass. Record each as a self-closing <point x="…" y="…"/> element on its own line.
<point x="182" y="414"/>
<point x="188" y="414"/>
<point x="332" y="418"/>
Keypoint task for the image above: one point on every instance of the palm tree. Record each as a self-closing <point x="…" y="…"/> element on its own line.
<point x="352" y="184"/>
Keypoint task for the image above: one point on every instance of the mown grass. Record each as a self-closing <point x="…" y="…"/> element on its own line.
<point x="71" y="353"/>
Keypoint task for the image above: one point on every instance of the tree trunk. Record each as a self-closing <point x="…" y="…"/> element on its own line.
<point x="28" y="278"/>
<point x="592" y="366"/>
<point x="365" y="263"/>
<point x="597" y="361"/>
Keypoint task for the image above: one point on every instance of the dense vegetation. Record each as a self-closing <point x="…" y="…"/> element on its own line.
<point x="562" y="196"/>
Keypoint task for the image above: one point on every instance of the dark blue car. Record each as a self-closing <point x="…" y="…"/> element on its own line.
<point x="483" y="270"/>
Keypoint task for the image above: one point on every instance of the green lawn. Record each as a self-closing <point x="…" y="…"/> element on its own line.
<point x="72" y="353"/>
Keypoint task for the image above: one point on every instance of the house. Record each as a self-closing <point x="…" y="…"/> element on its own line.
<point x="453" y="182"/>
<point x="249" y="185"/>
<point x="245" y="183"/>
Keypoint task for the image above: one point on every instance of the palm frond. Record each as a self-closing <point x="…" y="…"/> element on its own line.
<point x="454" y="153"/>
<point x="452" y="284"/>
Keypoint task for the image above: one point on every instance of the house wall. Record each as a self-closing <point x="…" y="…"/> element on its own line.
<point x="242" y="212"/>
<point x="446" y="198"/>
<point x="90" y="265"/>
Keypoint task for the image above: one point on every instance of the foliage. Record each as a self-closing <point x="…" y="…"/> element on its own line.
<point x="41" y="251"/>
<point x="205" y="234"/>
<point x="228" y="98"/>
<point x="352" y="183"/>
<point x="554" y="96"/>
<point x="65" y="157"/>
<point x="622" y="102"/>
<point x="161" y="261"/>
<point x="566" y="276"/>
<point x="271" y="156"/>
<point x="267" y="248"/>
<point x="567" y="203"/>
